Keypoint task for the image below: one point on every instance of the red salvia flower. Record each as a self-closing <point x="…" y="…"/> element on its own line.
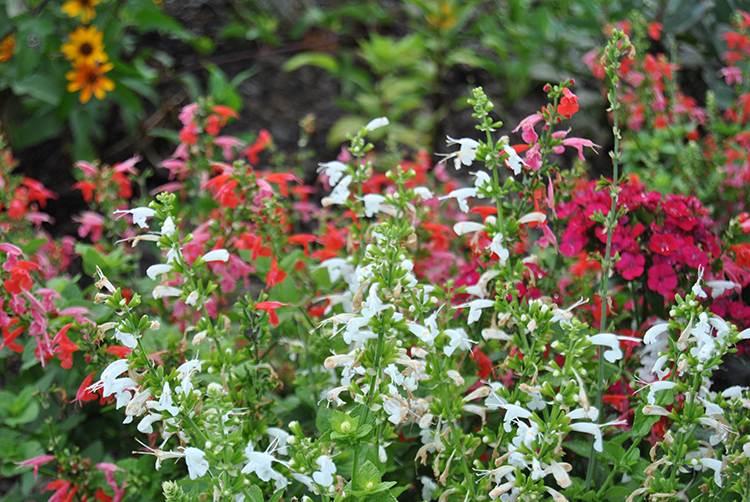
<point x="270" y="309"/>
<point x="274" y="275"/>
<point x="568" y="104"/>
<point x="9" y="337"/>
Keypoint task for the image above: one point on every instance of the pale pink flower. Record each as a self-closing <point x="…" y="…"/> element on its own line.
<point x="91" y="223"/>
<point x="578" y="144"/>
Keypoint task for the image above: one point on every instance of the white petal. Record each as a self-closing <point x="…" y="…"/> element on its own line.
<point x="377" y="123"/>
<point x="217" y="255"/>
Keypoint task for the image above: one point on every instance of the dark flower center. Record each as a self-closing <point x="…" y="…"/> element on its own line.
<point x="86" y="49"/>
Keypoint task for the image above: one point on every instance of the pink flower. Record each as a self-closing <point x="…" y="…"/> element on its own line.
<point x="128" y="166"/>
<point x="630" y="266"/>
<point x="89" y="169"/>
<point x="731" y="74"/>
<point x="37" y="218"/>
<point x="527" y="126"/>
<point x="36" y="462"/>
<point x="578" y="144"/>
<point x="227" y="143"/>
<point x="91" y="223"/>
<point x="13" y="253"/>
<point x="109" y="473"/>
<point x="662" y="279"/>
<point x="187" y="113"/>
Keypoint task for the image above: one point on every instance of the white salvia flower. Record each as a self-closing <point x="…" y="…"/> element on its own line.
<point x="659" y="369"/>
<point x="556" y="496"/>
<point x="165" y="291"/>
<point x="746" y="449"/>
<point x="154" y="270"/>
<point x="466" y="153"/>
<point x="653" y="409"/>
<point x="372" y="203"/>
<point x="216" y="255"/>
<point x="716" y="465"/>
<point x="340" y="193"/>
<point x="261" y="465"/>
<point x="482" y="180"/>
<point x="612" y="341"/>
<point x="459" y="340"/>
<point x="377" y="123"/>
<point x="592" y="429"/>
<point x="137" y="405"/>
<point x="103" y="282"/>
<point x="127" y="339"/>
<point x="196" y="464"/>
<point x="592" y="413"/>
<point x="168" y="227"/>
<point x="324" y="477"/>
<point x="334" y="170"/>
<point x="424" y="192"/>
<point x="533" y="217"/>
<point x="718" y="288"/>
<point x="139" y="214"/>
<point x="697" y="289"/>
<point x="657" y="386"/>
<point x="428" y="486"/>
<point x="192" y="298"/>
<point x="146" y="425"/>
<point x="475" y="308"/>
<point x="653" y="332"/>
<point x="467" y="227"/>
<point x="513" y="412"/>
<point x="382" y="455"/>
<point x="461" y="195"/>
<point x="514" y="160"/>
<point x="496" y="246"/>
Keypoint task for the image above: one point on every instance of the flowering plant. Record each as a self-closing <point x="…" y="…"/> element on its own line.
<point x="481" y="334"/>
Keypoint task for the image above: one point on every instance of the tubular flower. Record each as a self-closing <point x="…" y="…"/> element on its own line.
<point x="568" y="104"/>
<point x="86" y="44"/>
<point x="89" y="79"/>
<point x="84" y="8"/>
<point x="270" y="309"/>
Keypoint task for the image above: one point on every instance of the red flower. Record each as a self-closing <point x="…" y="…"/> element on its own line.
<point x="483" y="362"/>
<point x="654" y="30"/>
<point x="281" y="179"/>
<point x="225" y="113"/>
<point x="630" y="266"/>
<point x="263" y="142"/>
<point x="662" y="279"/>
<point x="270" y="309"/>
<point x="37" y="191"/>
<point x="87" y="187"/>
<point x="20" y="278"/>
<point x="274" y="275"/>
<point x="83" y="394"/>
<point x="9" y="337"/>
<point x="303" y="239"/>
<point x="64" y="347"/>
<point x="213" y="125"/>
<point x="568" y="104"/>
<point x="742" y="252"/>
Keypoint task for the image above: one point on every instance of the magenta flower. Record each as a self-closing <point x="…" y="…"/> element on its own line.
<point x="662" y="279"/>
<point x="731" y="74"/>
<point x="579" y="143"/>
<point x="630" y="266"/>
<point x="36" y="462"/>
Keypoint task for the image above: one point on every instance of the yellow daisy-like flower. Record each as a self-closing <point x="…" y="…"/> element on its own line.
<point x="89" y="79"/>
<point x="86" y="44"/>
<point x="83" y="7"/>
<point x="7" y="47"/>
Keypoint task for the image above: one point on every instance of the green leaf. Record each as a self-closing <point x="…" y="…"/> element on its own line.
<point x="28" y="413"/>
<point x="367" y="474"/>
<point x="42" y="86"/>
<point x="320" y="59"/>
<point x="613" y="452"/>
<point x="617" y="492"/>
<point x="642" y="424"/>
<point x="579" y="447"/>
<point x="256" y="495"/>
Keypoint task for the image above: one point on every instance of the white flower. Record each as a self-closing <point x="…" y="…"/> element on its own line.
<point x="217" y="255"/>
<point x="372" y="203"/>
<point x="459" y="340"/>
<point x="279" y="436"/>
<point x="192" y="298"/>
<point x="467" y="227"/>
<point x="340" y="194"/>
<point x="423" y="192"/>
<point x="196" y="464"/>
<point x="139" y="214"/>
<point x="334" y="170"/>
<point x="154" y="270"/>
<point x="614" y="353"/>
<point x="127" y="339"/>
<point x="377" y="123"/>
<point x="482" y="180"/>
<point x="475" y="308"/>
<point x="461" y="195"/>
<point x="168" y="227"/>
<point x="716" y="465"/>
<point x="165" y="291"/>
<point x="533" y="217"/>
<point x="653" y="332"/>
<point x="428" y="486"/>
<point x="324" y="477"/>
<point x="496" y="246"/>
<point x="657" y="386"/>
<point x="514" y="161"/>
<point x="262" y="465"/>
<point x="513" y="412"/>
<point x="718" y="288"/>
<point x="466" y="153"/>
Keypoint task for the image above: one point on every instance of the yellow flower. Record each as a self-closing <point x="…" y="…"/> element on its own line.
<point x="85" y="45"/>
<point x="89" y="79"/>
<point x="7" y="46"/>
<point x="83" y="7"/>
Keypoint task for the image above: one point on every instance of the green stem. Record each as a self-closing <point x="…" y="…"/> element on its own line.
<point x="607" y="262"/>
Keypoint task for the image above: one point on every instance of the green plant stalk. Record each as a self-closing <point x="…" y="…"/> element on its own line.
<point x="606" y="266"/>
